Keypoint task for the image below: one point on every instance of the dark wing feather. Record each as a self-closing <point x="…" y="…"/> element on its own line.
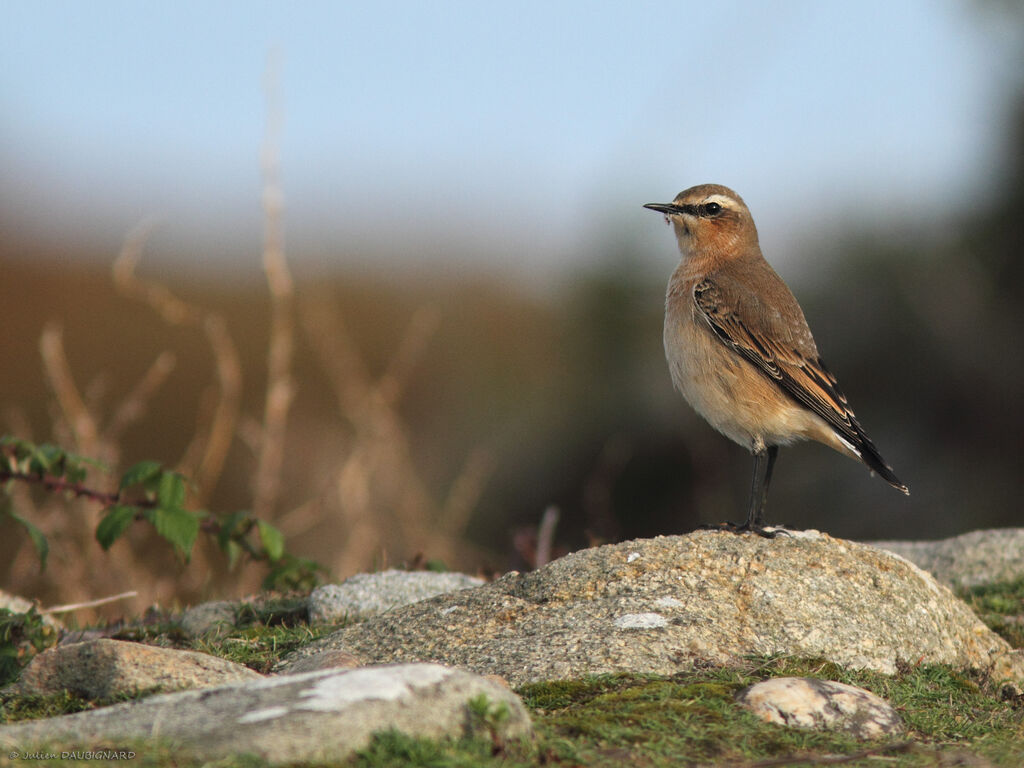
<point x="775" y="351"/>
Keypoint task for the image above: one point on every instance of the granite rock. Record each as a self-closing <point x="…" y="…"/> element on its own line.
<point x="105" y="669"/>
<point x="368" y="594"/>
<point x="209" y="617"/>
<point x="661" y="605"/>
<point x="312" y="717"/>
<point x="978" y="558"/>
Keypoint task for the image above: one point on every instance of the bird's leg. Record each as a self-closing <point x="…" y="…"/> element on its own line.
<point x="764" y="463"/>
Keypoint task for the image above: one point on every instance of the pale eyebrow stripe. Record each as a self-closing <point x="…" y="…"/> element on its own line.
<point x="722" y="200"/>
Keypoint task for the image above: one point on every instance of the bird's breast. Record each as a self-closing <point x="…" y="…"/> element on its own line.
<point x="730" y="393"/>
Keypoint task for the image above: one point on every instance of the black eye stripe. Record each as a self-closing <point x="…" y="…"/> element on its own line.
<point x="704" y="211"/>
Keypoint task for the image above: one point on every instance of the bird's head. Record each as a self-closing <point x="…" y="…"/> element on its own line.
<point x="709" y="219"/>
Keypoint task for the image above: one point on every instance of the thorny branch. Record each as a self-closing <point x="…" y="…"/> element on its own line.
<point x="208" y="524"/>
<point x="78" y="490"/>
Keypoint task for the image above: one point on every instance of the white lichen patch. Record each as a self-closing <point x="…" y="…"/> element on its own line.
<point x="668" y="602"/>
<point x="810" y="534"/>
<point x="641" y="621"/>
<point x="388" y="683"/>
<point x="267" y="713"/>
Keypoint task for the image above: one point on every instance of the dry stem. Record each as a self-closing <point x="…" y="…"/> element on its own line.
<point x="217" y="435"/>
<point x="280" y="389"/>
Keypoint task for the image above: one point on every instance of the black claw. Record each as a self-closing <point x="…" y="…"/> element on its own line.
<point x="767" y="532"/>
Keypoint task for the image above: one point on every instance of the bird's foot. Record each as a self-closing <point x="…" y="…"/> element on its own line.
<point x="765" y="531"/>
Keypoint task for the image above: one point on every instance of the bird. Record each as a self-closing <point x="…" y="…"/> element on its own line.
<point x="740" y="351"/>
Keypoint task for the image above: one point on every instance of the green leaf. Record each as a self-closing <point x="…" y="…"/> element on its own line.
<point x="114" y="524"/>
<point x="178" y="526"/>
<point x="233" y="550"/>
<point x="228" y="527"/>
<point x="292" y="572"/>
<point x="170" y="493"/>
<point x="272" y="540"/>
<point x="74" y="473"/>
<point x="38" y="539"/>
<point x="45" y="458"/>
<point x="140" y="474"/>
<point x="20" y="448"/>
<point x="92" y="462"/>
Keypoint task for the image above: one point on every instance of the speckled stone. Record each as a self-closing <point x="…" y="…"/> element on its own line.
<point x="993" y="556"/>
<point x="317" y="717"/>
<point x="661" y="605"/>
<point x="367" y="594"/>
<point x="106" y="669"/>
<point x="208" y="617"/>
<point x="16" y="604"/>
<point x="804" y="702"/>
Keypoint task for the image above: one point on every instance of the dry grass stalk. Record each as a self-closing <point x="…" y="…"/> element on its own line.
<point x="381" y="497"/>
<point x="77" y="566"/>
<point x="89" y="603"/>
<point x="280" y="387"/>
<point x="84" y="430"/>
<point x="383" y="502"/>
<point x="203" y="460"/>
<point x="546" y="536"/>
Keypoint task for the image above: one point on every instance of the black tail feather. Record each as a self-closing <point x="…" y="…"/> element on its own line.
<point x="870" y="456"/>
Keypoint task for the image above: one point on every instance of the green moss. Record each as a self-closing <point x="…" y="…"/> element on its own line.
<point x="392" y="749"/>
<point x="561" y="693"/>
<point x="1001" y="607"/>
<point x="22" y="636"/>
<point x="289" y="609"/>
<point x="258" y="647"/>
<point x="692" y="718"/>
<point x="16" y="708"/>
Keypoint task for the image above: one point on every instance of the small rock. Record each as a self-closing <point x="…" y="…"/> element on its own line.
<point x="207" y="617"/>
<point x="83" y="635"/>
<point x="330" y="658"/>
<point x="368" y="594"/>
<point x="16" y="604"/>
<point x="316" y="717"/>
<point x="105" y="669"/>
<point x="805" y="702"/>
<point x="978" y="558"/>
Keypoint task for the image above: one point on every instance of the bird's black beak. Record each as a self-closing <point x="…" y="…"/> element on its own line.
<point x="666" y="208"/>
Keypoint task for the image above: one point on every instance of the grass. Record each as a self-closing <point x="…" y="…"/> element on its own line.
<point x="692" y="718"/>
<point x="265" y="630"/>
<point x="1001" y="607"/>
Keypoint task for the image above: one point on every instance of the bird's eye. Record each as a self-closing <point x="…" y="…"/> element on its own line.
<point x="712" y="209"/>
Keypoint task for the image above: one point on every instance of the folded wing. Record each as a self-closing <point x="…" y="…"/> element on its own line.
<point x="786" y="354"/>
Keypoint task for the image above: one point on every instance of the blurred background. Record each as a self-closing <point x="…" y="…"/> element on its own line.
<point x="463" y="328"/>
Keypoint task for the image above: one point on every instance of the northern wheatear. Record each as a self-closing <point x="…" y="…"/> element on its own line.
<point x="739" y="349"/>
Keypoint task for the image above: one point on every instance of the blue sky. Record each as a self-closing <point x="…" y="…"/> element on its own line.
<point x="529" y="131"/>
